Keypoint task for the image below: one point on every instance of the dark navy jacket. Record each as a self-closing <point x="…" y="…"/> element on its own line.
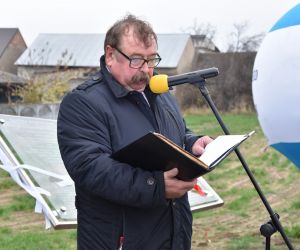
<point x="112" y="198"/>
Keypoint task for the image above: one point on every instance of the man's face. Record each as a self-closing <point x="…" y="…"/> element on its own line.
<point x="118" y="64"/>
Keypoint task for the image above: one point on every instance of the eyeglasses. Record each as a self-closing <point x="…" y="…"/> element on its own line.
<point x="138" y="62"/>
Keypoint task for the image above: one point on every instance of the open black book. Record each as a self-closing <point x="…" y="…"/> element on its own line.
<point x="154" y="151"/>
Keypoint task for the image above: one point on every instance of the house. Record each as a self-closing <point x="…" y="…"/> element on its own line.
<point x="8" y="82"/>
<point x="204" y="45"/>
<point x="12" y="45"/>
<point x="81" y="53"/>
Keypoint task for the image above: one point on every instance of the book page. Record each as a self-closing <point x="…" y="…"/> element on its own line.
<point x="210" y="200"/>
<point x="220" y="146"/>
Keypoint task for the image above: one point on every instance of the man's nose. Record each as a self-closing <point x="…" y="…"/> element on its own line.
<point x="145" y="67"/>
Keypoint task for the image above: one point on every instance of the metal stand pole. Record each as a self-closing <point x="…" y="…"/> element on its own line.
<point x="274" y="217"/>
<point x="267" y="230"/>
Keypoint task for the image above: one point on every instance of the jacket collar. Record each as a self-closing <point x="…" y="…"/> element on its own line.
<point x="117" y="89"/>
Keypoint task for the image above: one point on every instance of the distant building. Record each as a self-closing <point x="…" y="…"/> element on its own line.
<point x="230" y="90"/>
<point x="12" y="45"/>
<point x="8" y="82"/>
<point x="81" y="52"/>
<point x="203" y="45"/>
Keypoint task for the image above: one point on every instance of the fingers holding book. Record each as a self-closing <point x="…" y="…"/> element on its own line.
<point x="175" y="188"/>
<point x="199" y="146"/>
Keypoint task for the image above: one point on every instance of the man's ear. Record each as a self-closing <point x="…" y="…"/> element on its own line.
<point x="109" y="55"/>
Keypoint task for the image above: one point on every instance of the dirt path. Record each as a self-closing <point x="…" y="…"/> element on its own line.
<point x="19" y="220"/>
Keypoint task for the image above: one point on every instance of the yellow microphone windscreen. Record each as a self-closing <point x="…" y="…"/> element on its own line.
<point x="159" y="84"/>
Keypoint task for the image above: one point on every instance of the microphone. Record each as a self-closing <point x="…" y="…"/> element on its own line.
<point x="160" y="83"/>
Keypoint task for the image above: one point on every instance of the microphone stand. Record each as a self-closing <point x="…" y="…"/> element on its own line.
<point x="274" y="224"/>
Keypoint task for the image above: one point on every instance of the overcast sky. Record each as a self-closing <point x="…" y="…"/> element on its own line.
<point x="95" y="16"/>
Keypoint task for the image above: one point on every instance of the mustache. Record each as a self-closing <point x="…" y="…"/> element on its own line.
<point x="139" y="77"/>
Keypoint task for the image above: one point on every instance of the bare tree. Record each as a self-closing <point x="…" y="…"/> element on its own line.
<point x="240" y="42"/>
<point x="205" y="29"/>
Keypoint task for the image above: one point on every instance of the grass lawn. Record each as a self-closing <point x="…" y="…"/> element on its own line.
<point x="235" y="225"/>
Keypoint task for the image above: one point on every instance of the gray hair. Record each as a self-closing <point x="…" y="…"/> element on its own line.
<point x="142" y="30"/>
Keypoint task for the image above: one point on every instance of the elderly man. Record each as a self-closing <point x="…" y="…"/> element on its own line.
<point x="119" y="205"/>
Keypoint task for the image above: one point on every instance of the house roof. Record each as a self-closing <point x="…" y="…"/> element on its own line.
<point x="6" y="34"/>
<point x="84" y="50"/>
<point x="6" y="77"/>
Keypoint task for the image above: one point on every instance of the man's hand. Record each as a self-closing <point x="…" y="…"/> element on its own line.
<point x="198" y="147"/>
<point x="175" y="188"/>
